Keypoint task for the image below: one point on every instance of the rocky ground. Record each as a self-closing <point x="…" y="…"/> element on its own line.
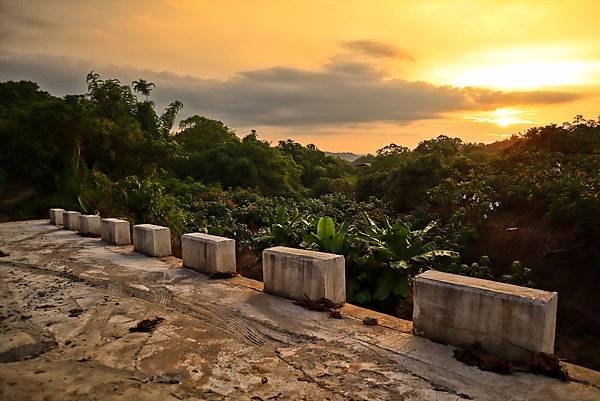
<point x="83" y="320"/>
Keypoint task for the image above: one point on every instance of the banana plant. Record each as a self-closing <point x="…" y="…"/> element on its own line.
<point x="401" y="251"/>
<point x="283" y="227"/>
<point x="328" y="238"/>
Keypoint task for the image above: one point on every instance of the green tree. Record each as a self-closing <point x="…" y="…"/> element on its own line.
<point x="143" y="87"/>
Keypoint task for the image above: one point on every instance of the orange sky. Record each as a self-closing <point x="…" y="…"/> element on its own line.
<point x="345" y="75"/>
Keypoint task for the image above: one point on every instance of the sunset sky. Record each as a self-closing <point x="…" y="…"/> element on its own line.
<point x="344" y="75"/>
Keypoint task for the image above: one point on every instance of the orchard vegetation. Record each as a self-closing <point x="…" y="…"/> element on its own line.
<point x="525" y="210"/>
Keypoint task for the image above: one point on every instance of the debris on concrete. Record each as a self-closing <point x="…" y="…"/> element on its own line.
<point x="543" y="364"/>
<point x="476" y="356"/>
<point x="548" y="365"/>
<point x="75" y="312"/>
<point x="146" y="325"/>
<point x="320" y="305"/>
<point x="222" y="275"/>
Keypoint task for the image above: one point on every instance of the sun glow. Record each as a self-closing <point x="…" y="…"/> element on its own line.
<point x="502" y="117"/>
<point x="522" y="69"/>
<point x="527" y="75"/>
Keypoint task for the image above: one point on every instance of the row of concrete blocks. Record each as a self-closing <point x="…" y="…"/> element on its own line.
<point x="507" y="320"/>
<point x="292" y="273"/>
<point x="114" y="231"/>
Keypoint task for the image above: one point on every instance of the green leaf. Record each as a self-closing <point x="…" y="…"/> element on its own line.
<point x="400" y="264"/>
<point x="402" y="287"/>
<point x="439" y="253"/>
<point x="362" y="297"/>
<point x="427" y="228"/>
<point x="369" y="221"/>
<point x="325" y="227"/>
<point x="311" y="239"/>
<point x="281" y="214"/>
<point x="385" y="285"/>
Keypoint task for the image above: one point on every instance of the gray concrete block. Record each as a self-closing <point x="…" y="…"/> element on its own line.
<point x="115" y="231"/>
<point x="508" y="320"/>
<point x="152" y="240"/>
<point x="299" y="274"/>
<point x="71" y="220"/>
<point x="56" y="216"/>
<point x="208" y="253"/>
<point x="89" y="225"/>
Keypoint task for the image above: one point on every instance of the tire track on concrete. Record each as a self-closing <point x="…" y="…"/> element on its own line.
<point x="33" y="236"/>
<point x="234" y="323"/>
<point x="98" y="319"/>
<point x="162" y="299"/>
<point x="160" y="296"/>
<point x="43" y="338"/>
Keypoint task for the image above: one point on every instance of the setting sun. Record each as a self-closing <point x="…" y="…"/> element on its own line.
<point x="503" y="117"/>
<point x="506" y="117"/>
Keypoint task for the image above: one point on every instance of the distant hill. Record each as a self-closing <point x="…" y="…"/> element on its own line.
<point x="348" y="156"/>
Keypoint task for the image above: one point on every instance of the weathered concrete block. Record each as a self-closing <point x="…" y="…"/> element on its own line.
<point x="208" y="253"/>
<point x="89" y="225"/>
<point x="507" y="320"/>
<point x="71" y="220"/>
<point x="299" y="274"/>
<point x="56" y="216"/>
<point x="152" y="240"/>
<point x="115" y="231"/>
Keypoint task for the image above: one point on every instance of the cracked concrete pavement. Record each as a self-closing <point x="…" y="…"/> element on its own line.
<point x="67" y="304"/>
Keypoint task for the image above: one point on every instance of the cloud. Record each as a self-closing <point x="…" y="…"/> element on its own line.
<point x="376" y="49"/>
<point x="17" y="22"/>
<point x="339" y="94"/>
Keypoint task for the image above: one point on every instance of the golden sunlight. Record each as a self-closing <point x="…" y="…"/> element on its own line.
<point x="523" y="68"/>
<point x="528" y="75"/>
<point x="502" y="117"/>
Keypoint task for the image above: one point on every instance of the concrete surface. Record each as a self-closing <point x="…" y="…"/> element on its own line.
<point x="507" y="320"/>
<point x="152" y="240"/>
<point x="71" y="220"/>
<point x="208" y="253"/>
<point x="115" y="231"/>
<point x="56" y="216"/>
<point x="299" y="274"/>
<point x="89" y="225"/>
<point x="67" y="303"/>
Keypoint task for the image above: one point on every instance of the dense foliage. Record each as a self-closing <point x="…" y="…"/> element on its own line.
<point x="392" y="214"/>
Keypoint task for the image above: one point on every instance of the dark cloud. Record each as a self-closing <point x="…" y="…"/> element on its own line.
<point x="496" y="98"/>
<point x="373" y="48"/>
<point x="339" y="94"/>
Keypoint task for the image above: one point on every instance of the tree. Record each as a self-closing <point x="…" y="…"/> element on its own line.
<point x="167" y="119"/>
<point x="392" y="149"/>
<point x="142" y="86"/>
<point x="442" y="145"/>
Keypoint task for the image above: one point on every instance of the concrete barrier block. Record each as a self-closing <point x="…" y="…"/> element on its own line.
<point x="115" y="231"/>
<point x="299" y="274"/>
<point x="89" y="225"/>
<point x="71" y="220"/>
<point x="208" y="253"/>
<point x="56" y="216"/>
<point x="152" y="240"/>
<point x="507" y="320"/>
